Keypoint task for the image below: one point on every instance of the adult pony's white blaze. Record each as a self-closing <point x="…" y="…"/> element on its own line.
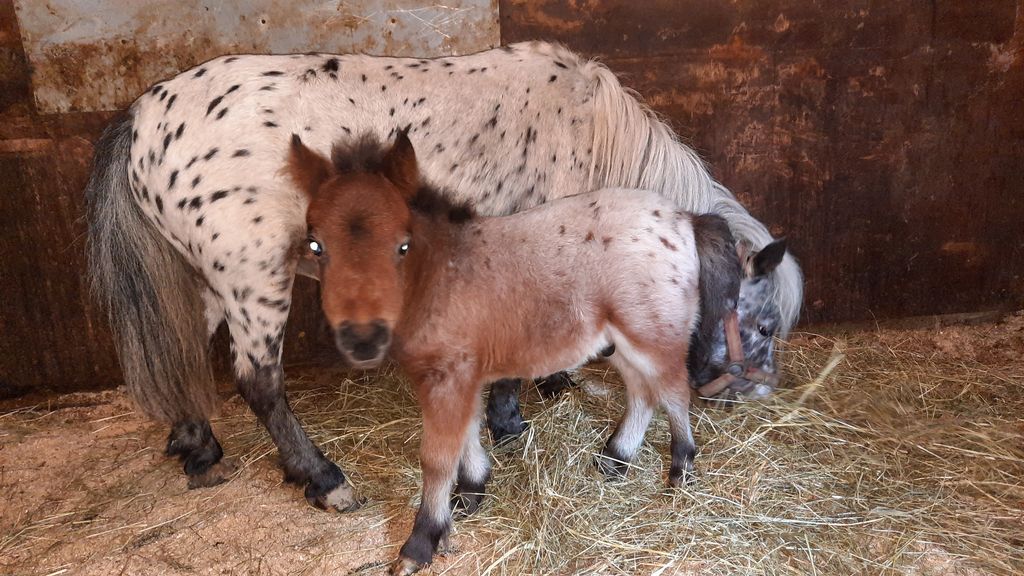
<point x="191" y="180"/>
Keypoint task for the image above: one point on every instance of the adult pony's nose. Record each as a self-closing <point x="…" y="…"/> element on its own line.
<point x="363" y="345"/>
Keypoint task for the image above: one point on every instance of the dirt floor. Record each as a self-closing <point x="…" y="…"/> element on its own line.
<point x="890" y="452"/>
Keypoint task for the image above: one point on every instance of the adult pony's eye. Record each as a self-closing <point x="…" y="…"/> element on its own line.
<point x="315" y="247"/>
<point x="403" y="248"/>
<point x="764" y="330"/>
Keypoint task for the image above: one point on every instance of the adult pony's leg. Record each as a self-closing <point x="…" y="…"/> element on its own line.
<point x="555" y="384"/>
<point x="256" y="319"/>
<point x="504" y="418"/>
<point x="624" y="443"/>
<point x="191" y="438"/>
<point x="447" y="417"/>
<point x="474" y="472"/>
<point x="504" y="415"/>
<point x="303" y="463"/>
<point x="675" y="400"/>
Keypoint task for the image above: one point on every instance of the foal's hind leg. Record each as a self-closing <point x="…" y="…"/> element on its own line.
<point x="675" y="399"/>
<point x="504" y="416"/>
<point x="625" y="442"/>
<point x="191" y="438"/>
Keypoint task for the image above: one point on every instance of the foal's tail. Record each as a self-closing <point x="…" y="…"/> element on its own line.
<point x="150" y="291"/>
<point x="634" y="149"/>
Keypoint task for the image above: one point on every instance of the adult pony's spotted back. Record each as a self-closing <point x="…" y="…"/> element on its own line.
<point x="192" y="222"/>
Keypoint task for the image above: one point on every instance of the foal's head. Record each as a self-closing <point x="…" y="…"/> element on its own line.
<point x="360" y="227"/>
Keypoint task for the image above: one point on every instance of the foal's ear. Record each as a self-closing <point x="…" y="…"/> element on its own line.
<point x="765" y="261"/>
<point x="399" y="165"/>
<point x="307" y="168"/>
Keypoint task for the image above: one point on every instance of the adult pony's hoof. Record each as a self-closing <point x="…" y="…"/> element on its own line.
<point x="554" y="385"/>
<point x="213" y="475"/>
<point x="195" y="445"/>
<point x="504" y="419"/>
<point x="405" y="566"/>
<point x="342" y="498"/>
<point x="330" y="490"/>
<point x="505" y="431"/>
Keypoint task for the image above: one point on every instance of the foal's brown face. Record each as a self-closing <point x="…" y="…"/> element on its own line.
<point x="359" y="227"/>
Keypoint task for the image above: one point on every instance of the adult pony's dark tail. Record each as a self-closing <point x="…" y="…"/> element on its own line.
<point x="150" y="291"/>
<point x="719" y="285"/>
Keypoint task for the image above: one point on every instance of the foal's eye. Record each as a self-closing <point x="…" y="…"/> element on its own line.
<point x="764" y="330"/>
<point x="315" y="247"/>
<point x="403" y="248"/>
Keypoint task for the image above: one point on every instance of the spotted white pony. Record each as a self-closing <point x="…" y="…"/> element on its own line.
<point x="192" y="222"/>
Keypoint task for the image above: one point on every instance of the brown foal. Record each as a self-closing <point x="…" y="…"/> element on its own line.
<point x="459" y="301"/>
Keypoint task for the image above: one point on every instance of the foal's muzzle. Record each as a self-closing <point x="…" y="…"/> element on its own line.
<point x="363" y="345"/>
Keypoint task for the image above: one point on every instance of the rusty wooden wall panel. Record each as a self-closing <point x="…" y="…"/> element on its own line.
<point x="884" y="138"/>
<point x="101" y="54"/>
<point x="51" y="330"/>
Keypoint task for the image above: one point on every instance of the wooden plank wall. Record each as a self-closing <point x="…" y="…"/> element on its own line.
<point x="885" y="139"/>
<point x="53" y="337"/>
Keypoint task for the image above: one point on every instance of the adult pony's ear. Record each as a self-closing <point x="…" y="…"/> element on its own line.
<point x="768" y="258"/>
<point x="399" y="165"/>
<point x="308" y="169"/>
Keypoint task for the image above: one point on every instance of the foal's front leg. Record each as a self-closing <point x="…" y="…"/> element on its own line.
<point x="474" y="472"/>
<point x="448" y="411"/>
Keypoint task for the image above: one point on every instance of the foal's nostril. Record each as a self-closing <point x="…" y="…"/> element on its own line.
<point x="363" y="341"/>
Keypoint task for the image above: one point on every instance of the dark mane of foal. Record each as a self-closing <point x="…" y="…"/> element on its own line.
<point x="367" y="154"/>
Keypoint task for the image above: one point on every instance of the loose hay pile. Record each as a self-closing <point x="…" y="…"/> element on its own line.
<point x="896" y="452"/>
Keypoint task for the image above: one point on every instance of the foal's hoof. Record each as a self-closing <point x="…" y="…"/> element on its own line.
<point x="216" y="474"/>
<point x="554" y="385"/>
<point x="405" y="566"/>
<point x="611" y="465"/>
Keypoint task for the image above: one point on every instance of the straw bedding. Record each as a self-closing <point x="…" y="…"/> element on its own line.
<point x="890" y="452"/>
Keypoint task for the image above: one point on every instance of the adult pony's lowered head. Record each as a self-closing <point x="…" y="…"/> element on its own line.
<point x="461" y="301"/>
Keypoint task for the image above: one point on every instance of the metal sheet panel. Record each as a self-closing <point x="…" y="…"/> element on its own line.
<point x="89" y="55"/>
